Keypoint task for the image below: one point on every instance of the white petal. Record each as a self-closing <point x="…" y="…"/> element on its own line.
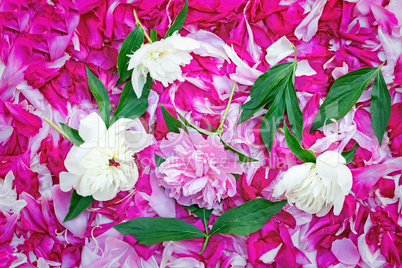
<point x="67" y="181"/>
<point x="137" y="140"/>
<point x="304" y="68"/>
<point x="115" y="135"/>
<point x="138" y="81"/>
<point x="331" y="158"/>
<point x="278" y="51"/>
<point x="92" y="128"/>
<point x="345" y="179"/>
<point x="138" y="56"/>
<point x="105" y="194"/>
<point x="338" y="201"/>
<point x="270" y="255"/>
<point x="182" y="43"/>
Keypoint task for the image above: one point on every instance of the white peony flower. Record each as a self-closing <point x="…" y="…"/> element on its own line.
<point x="315" y="188"/>
<point x="103" y="165"/>
<point x="162" y="59"/>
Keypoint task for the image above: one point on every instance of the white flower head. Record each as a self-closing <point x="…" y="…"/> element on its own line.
<point x="162" y="59"/>
<point x="103" y="165"/>
<point x="315" y="188"/>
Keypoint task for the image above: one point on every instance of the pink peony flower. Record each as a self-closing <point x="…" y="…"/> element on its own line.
<point x="197" y="170"/>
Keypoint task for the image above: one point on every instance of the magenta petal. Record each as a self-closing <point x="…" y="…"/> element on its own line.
<point x="26" y="122"/>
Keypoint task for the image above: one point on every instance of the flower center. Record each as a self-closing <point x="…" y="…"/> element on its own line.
<point x="112" y="162"/>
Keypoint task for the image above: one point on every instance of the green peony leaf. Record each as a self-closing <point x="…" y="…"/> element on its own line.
<point x="272" y="119"/>
<point x="129" y="105"/>
<point x="72" y="134"/>
<point x="242" y="157"/>
<point x="295" y="115"/>
<point x="344" y="93"/>
<point x="153" y="34"/>
<point x="100" y="93"/>
<point x="294" y="146"/>
<point x="132" y="42"/>
<point x="187" y="123"/>
<point x="202" y="213"/>
<point x="350" y="155"/>
<point x="380" y="106"/>
<point x="159" y="160"/>
<point x="179" y="21"/>
<point x="78" y="204"/>
<point x="154" y="230"/>
<point x="172" y="123"/>
<point x="266" y="88"/>
<point x="247" y="218"/>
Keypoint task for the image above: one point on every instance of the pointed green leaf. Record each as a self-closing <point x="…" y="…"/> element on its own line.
<point x="187" y="123"/>
<point x="202" y="213"/>
<point x="295" y="115"/>
<point x="242" y="157"/>
<point x="129" y="105"/>
<point x="132" y="42"/>
<point x="267" y="86"/>
<point x="77" y="205"/>
<point x="247" y="113"/>
<point x="100" y="93"/>
<point x="272" y="119"/>
<point x="179" y="21"/>
<point x="350" y="155"/>
<point x="159" y="160"/>
<point x="172" y="123"/>
<point x="247" y="218"/>
<point x="72" y="134"/>
<point x="153" y="34"/>
<point x="380" y="106"/>
<point x="344" y="93"/>
<point x="294" y="146"/>
<point x="154" y="230"/>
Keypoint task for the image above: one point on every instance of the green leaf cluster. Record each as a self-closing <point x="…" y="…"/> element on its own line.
<point x="242" y="220"/>
<point x="346" y="91"/>
<point x="275" y="88"/>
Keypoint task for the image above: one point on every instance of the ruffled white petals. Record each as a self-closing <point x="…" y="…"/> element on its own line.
<point x="162" y="60"/>
<point x="103" y="165"/>
<point x="316" y="188"/>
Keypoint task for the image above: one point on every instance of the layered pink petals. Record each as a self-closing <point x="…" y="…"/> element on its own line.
<point x="197" y="171"/>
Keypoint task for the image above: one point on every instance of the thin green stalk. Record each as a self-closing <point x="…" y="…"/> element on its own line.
<point x="220" y="128"/>
<point x="294" y="48"/>
<point x="56" y="127"/>
<point x="205" y="244"/>
<point x="137" y="21"/>
<point x="379" y="67"/>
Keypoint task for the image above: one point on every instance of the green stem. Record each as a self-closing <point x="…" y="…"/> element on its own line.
<point x="379" y="67"/>
<point x="56" y="127"/>
<point x="220" y="128"/>
<point x="137" y="21"/>
<point x="205" y="244"/>
<point x="294" y="48"/>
